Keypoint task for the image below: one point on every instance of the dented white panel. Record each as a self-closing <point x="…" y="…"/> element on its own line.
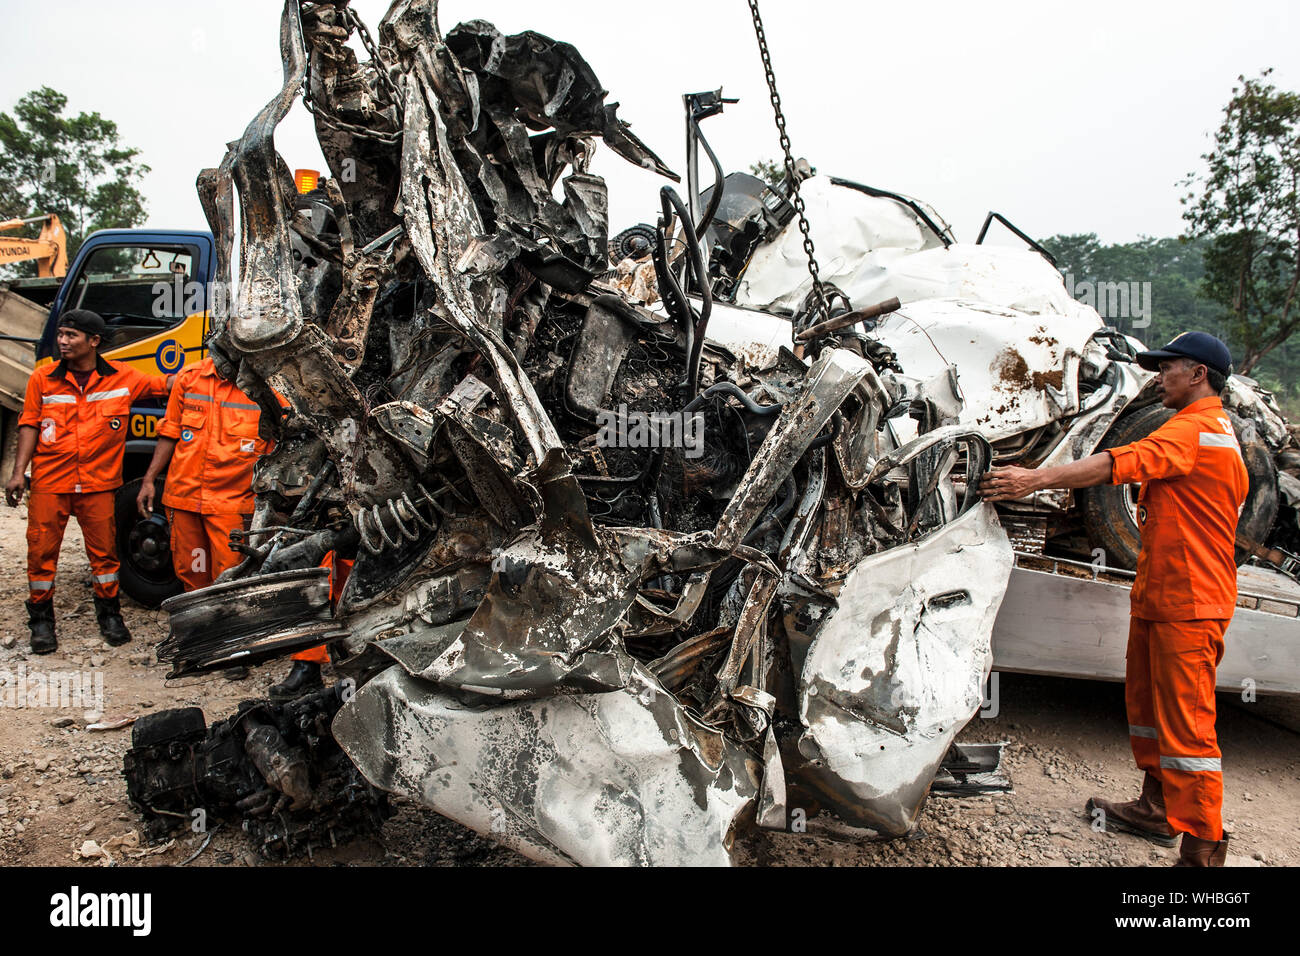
<point x="899" y="668"/>
<point x="622" y="778"/>
<point x="873" y="249"/>
<point x="846" y="225"/>
<point x="756" y="337"/>
<point x="1016" y="371"/>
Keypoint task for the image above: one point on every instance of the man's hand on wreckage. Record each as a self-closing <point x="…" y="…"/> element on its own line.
<point x="1008" y="483"/>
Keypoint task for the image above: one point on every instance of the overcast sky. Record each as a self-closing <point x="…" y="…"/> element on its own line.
<point x="1066" y="118"/>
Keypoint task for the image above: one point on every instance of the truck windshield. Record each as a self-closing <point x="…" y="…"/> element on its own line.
<point x="137" y="289"/>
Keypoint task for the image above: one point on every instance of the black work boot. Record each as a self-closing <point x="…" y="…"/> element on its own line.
<point x="40" y="618"/>
<point x="304" y="677"/>
<point x="108" y="612"/>
<point x="1144" y="817"/>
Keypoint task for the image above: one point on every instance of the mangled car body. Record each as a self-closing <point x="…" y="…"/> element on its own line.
<point x="1039" y="373"/>
<point x="592" y="650"/>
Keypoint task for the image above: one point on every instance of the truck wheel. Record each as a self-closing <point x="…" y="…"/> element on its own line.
<point x="1110" y="511"/>
<point x="144" y="549"/>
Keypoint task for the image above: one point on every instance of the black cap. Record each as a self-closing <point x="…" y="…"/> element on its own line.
<point x="83" y="320"/>
<point x="1199" y="346"/>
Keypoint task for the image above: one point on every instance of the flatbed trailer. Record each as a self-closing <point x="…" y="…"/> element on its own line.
<point x="1070" y="619"/>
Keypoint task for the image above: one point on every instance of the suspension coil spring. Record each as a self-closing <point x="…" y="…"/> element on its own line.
<point x="405" y="518"/>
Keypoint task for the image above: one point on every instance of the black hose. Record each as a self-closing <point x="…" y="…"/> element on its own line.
<point x="734" y="390"/>
<point x="309" y="496"/>
<point x="309" y="552"/>
<point x="670" y="290"/>
<point x="836" y="423"/>
<point x="671" y="202"/>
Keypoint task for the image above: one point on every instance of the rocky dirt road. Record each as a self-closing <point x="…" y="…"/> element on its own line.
<point x="62" y="795"/>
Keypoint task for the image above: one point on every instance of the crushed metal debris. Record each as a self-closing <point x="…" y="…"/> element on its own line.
<point x="592" y="651"/>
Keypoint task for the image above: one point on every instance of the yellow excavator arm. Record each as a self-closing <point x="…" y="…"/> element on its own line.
<point x="49" y="248"/>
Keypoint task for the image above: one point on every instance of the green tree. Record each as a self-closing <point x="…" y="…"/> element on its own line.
<point x="74" y="166"/>
<point x="769" y="171"/>
<point x="1246" y="203"/>
<point x="1176" y="270"/>
<point x="1173" y="267"/>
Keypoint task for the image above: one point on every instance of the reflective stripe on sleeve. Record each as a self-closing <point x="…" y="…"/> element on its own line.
<point x="1219" y="441"/>
<point x="1192" y="764"/>
<point x="58" y="400"/>
<point x="111" y="393"/>
<point x="1135" y="731"/>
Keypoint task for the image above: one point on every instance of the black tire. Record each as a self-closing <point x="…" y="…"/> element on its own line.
<point x="144" y="549"/>
<point x="167" y="725"/>
<point x="632" y="242"/>
<point x="1110" y="511"/>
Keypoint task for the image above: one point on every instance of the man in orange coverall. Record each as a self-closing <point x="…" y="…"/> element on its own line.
<point x="207" y="443"/>
<point x="1194" y="483"/>
<point x="72" y="432"/>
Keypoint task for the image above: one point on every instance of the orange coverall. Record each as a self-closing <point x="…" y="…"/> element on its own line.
<point x="340" y="568"/>
<point x="209" y="488"/>
<point x="1194" y="483"/>
<point x="77" y="465"/>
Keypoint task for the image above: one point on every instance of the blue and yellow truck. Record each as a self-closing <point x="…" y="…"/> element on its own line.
<point x="152" y="287"/>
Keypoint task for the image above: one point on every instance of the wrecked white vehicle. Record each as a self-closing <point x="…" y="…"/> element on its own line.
<point x="1038" y="373"/>
<point x="752" y="603"/>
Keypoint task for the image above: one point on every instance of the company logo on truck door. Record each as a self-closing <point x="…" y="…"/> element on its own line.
<point x="170" y="356"/>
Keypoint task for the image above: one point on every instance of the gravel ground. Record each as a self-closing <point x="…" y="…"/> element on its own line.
<point x="61" y="788"/>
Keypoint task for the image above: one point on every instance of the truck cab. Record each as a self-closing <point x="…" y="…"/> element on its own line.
<point x="152" y="287"/>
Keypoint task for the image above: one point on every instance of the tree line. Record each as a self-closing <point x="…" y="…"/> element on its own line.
<point x="1179" y="300"/>
<point x="74" y="166"/>
<point x="1235" y="272"/>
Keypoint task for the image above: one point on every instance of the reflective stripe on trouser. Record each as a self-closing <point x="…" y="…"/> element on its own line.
<point x="47" y="517"/>
<point x="201" y="545"/>
<point x="1169" y="689"/>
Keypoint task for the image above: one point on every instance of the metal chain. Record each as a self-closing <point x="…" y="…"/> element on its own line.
<point x="819" y="294"/>
<point x="381" y="68"/>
